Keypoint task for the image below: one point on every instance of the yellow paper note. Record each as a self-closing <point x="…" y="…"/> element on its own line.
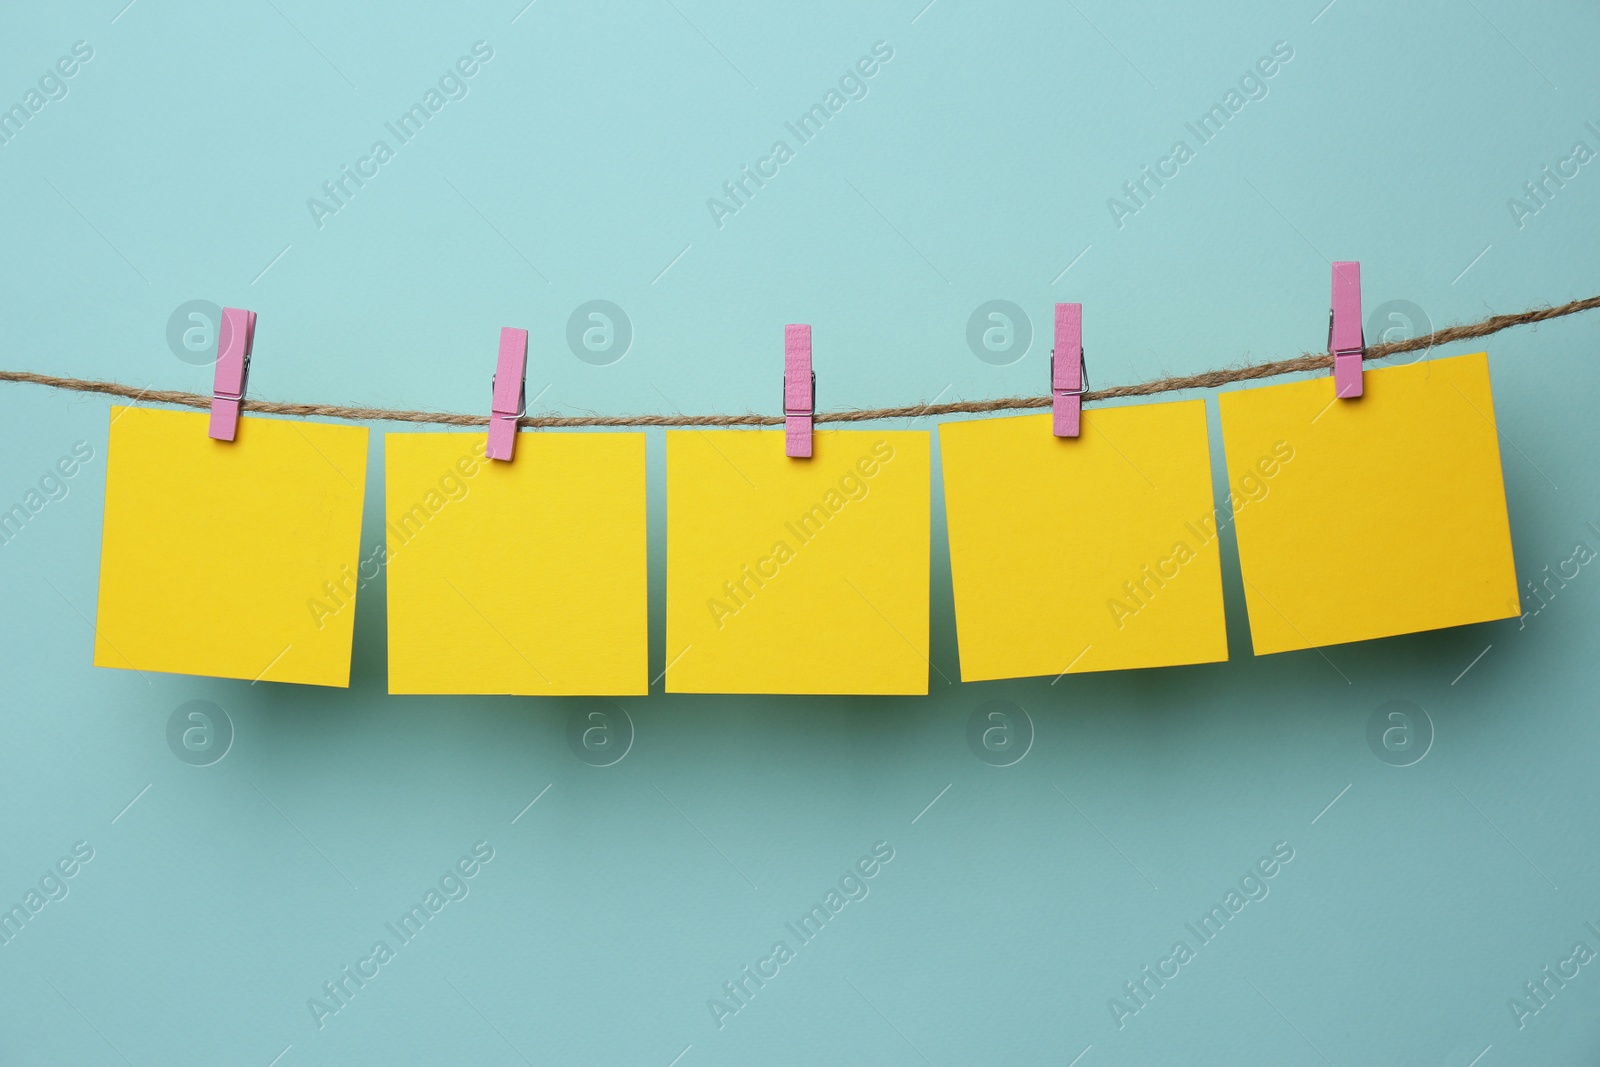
<point x="1091" y="554"/>
<point x="1389" y="518"/>
<point x="234" y="559"/>
<point x="527" y="577"/>
<point x="797" y="575"/>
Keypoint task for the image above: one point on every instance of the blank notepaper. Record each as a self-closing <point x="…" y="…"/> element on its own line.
<point x="797" y="575"/>
<point x="522" y="577"/>
<point x="1092" y="553"/>
<point x="1388" y="517"/>
<point x="235" y="559"/>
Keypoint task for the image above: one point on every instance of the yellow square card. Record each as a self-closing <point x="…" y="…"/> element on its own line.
<point x="234" y="559"/>
<point x="1387" y="514"/>
<point x="527" y="577"/>
<point x="797" y="575"/>
<point x="1094" y="553"/>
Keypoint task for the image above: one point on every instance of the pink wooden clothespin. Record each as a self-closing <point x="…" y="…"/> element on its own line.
<point x="799" y="391"/>
<point x="1345" y="336"/>
<point x="1068" y="379"/>
<point x="235" y="336"/>
<point x="510" y="393"/>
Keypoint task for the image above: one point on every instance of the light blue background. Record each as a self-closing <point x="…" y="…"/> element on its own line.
<point x="978" y="167"/>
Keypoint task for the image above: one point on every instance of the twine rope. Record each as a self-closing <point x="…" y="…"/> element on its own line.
<point x="1207" y="380"/>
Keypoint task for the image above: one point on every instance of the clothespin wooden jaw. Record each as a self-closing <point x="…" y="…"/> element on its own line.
<point x="1346" y="338"/>
<point x="799" y="391"/>
<point x="1069" y="375"/>
<point x="510" y="393"/>
<point x="236" y="335"/>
